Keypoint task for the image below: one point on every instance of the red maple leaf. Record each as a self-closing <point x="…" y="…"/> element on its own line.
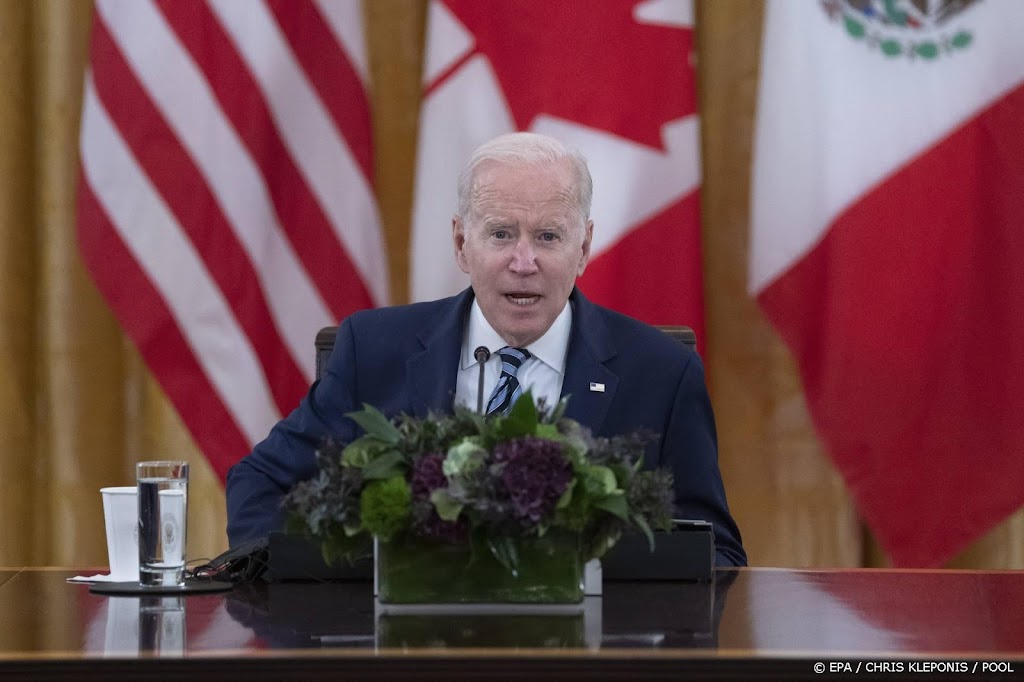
<point x="585" y="61"/>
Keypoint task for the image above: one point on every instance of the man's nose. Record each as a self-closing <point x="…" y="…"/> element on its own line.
<point x="524" y="258"/>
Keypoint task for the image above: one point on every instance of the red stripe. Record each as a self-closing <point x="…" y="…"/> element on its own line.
<point x="331" y="73"/>
<point x="447" y="73"/>
<point x="907" y="321"/>
<point x="181" y="185"/>
<point x="148" y="322"/>
<point x="299" y="213"/>
<point x="653" y="273"/>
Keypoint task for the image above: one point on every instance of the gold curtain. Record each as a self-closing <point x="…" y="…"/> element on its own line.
<point x="78" y="408"/>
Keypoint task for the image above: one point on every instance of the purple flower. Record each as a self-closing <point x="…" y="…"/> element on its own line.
<point x="427" y="477"/>
<point x="534" y="473"/>
<point x="427" y="524"/>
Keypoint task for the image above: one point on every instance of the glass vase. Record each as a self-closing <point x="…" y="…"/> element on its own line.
<point x="416" y="571"/>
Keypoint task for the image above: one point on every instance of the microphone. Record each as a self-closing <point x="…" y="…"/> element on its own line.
<point x="481" y="354"/>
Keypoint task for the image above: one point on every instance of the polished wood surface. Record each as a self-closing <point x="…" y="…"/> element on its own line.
<point x="747" y="621"/>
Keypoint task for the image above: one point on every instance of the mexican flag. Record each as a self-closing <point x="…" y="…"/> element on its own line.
<point x="888" y="251"/>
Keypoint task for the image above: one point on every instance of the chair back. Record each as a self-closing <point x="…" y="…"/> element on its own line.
<point x="324" y="344"/>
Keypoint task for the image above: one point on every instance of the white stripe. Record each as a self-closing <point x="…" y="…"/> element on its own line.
<point x="155" y="239"/>
<point x="177" y="86"/>
<point x="309" y="134"/>
<point x="465" y="112"/>
<point x="633" y="182"/>
<point x="448" y="41"/>
<point x="345" y="19"/>
<point x="673" y="13"/>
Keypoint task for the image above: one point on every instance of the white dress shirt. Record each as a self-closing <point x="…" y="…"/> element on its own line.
<point x="542" y="372"/>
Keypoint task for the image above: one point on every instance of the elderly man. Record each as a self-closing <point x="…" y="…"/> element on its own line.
<point x="522" y="233"/>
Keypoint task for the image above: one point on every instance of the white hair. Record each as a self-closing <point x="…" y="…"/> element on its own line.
<point x="526" y="149"/>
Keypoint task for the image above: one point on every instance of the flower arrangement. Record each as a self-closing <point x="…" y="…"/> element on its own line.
<point x="485" y="482"/>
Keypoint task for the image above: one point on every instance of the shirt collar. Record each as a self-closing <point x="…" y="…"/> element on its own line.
<point x="549" y="348"/>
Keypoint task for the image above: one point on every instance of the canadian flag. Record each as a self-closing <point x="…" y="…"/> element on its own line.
<point x="888" y="251"/>
<point x="614" y="79"/>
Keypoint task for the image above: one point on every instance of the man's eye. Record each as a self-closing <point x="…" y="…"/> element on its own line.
<point x="548" y="236"/>
<point x="501" y="234"/>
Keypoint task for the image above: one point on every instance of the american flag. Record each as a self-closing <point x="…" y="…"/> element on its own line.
<point x="226" y="209"/>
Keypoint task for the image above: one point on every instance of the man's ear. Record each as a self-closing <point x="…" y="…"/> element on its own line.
<point x="588" y="235"/>
<point x="459" y="243"/>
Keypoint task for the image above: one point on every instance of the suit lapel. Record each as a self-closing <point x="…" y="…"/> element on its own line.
<point x="433" y="371"/>
<point x="585" y="373"/>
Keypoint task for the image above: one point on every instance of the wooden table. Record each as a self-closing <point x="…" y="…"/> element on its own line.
<point x="748" y="624"/>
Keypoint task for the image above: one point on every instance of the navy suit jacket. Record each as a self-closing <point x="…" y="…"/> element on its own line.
<point x="406" y="359"/>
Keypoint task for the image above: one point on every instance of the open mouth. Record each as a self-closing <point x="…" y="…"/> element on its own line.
<point x="522" y="298"/>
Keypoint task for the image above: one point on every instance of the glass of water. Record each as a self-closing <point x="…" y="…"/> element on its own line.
<point x="163" y="509"/>
<point x="162" y="625"/>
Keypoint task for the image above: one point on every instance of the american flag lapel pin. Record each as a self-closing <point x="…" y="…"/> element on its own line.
<point x="596" y="387"/>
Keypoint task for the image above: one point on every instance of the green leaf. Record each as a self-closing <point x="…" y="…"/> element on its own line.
<point x="559" y="410"/>
<point x="961" y="39"/>
<point x="504" y="550"/>
<point x="477" y="544"/>
<point x="602" y="542"/>
<point x="601" y="480"/>
<point x="641" y="523"/>
<point x="566" y="497"/>
<point x="335" y="548"/>
<point x="575" y="450"/>
<point x="385" y="466"/>
<point x="376" y="424"/>
<point x="330" y="553"/>
<point x="614" y="504"/>
<point x="853" y="27"/>
<point x="295" y="524"/>
<point x="928" y="50"/>
<point x="522" y="419"/>
<point x="622" y="471"/>
<point x="891" y="48"/>
<point x="447" y="508"/>
<point x="548" y="431"/>
<point x="359" y="452"/>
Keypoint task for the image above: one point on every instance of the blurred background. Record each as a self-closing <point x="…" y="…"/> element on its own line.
<point x="78" y="405"/>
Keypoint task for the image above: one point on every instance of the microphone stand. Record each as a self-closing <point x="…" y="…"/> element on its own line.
<point x="481" y="354"/>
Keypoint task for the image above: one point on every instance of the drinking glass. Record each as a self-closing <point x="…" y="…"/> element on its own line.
<point x="163" y="510"/>
<point x="162" y="625"/>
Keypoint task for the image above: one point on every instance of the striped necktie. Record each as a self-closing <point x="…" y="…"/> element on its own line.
<point x="508" y="388"/>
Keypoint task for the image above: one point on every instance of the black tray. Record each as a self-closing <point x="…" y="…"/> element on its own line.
<point x="134" y="588"/>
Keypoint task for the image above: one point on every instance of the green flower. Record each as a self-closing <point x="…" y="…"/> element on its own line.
<point x="385" y="507"/>
<point x="463" y="459"/>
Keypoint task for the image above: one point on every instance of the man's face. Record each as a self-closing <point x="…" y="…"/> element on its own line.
<point x="523" y="246"/>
